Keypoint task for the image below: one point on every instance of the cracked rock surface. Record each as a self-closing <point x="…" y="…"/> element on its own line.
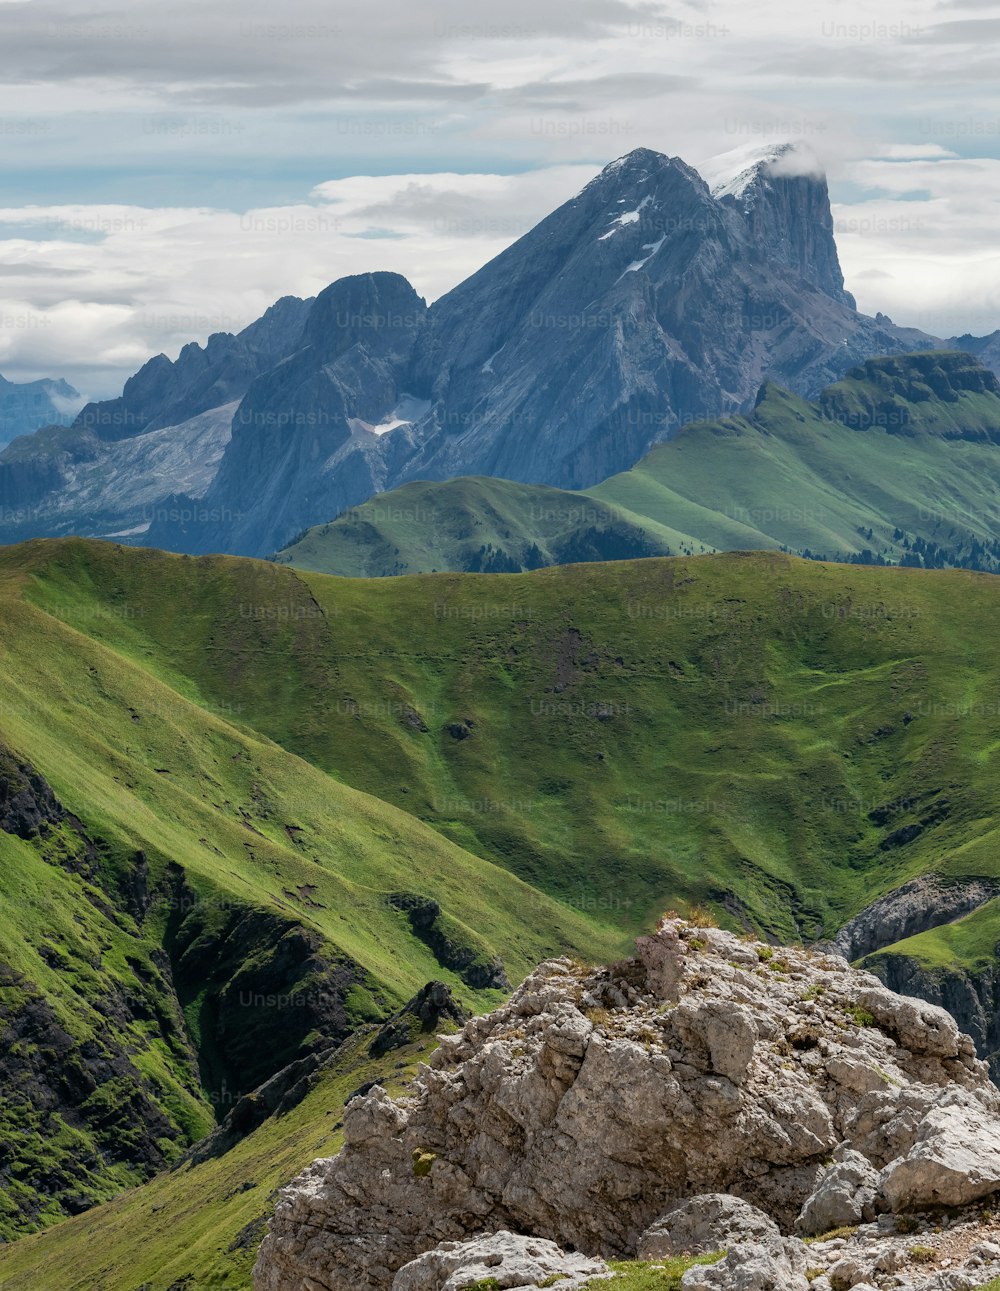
<point x="591" y="1105"/>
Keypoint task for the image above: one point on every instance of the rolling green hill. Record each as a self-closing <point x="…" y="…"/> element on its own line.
<point x="593" y="730"/>
<point x="899" y="463"/>
<point x="246" y="810"/>
<point x="472" y="525"/>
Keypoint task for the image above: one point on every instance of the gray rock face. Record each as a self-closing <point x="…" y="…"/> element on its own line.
<point x="124" y="464"/>
<point x="68" y="481"/>
<point x="305" y="437"/>
<point x="589" y="1106"/>
<point x="507" y="1259"/>
<point x="847" y="1193"/>
<point x="708" y="1223"/>
<point x="645" y="302"/>
<point x="169" y="393"/>
<point x="923" y="903"/>
<point x="751" y="1267"/>
<point x="954" y="1160"/>
<point x="972" y="997"/>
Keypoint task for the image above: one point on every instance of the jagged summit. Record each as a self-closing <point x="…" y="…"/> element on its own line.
<point x="640" y="164"/>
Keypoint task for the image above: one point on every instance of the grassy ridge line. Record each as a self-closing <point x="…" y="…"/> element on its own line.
<point x="474" y="523"/>
<point x="794" y="479"/>
<point x="201" y="1222"/>
<point x="653" y="731"/>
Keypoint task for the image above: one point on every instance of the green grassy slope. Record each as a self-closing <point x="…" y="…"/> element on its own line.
<point x="615" y="736"/>
<point x="792" y="478"/>
<point x="260" y="758"/>
<point x="202" y="1223"/>
<point x="898" y="463"/>
<point x="472" y="524"/>
<point x="219" y="907"/>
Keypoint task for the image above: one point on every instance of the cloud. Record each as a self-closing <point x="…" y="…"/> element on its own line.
<point x="923" y="234"/>
<point x="156" y="278"/>
<point x="915" y="152"/>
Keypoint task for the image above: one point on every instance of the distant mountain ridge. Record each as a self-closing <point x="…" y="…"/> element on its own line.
<point x="899" y="463"/>
<point x="27" y="406"/>
<point x="650" y="300"/>
<point x="168" y="393"/>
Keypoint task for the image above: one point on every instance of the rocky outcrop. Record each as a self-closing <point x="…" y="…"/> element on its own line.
<point x="705" y="1224"/>
<point x="922" y="903"/>
<point x="507" y="1260"/>
<point x="971" y="996"/>
<point x="954" y="1160"/>
<point x="27" y="802"/>
<point x="430" y="1010"/>
<point x="847" y="1193"/>
<point x="889" y="394"/>
<point x="589" y="1106"/>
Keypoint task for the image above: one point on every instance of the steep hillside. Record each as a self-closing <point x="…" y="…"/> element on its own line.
<point x="199" y="1225"/>
<point x="188" y="906"/>
<point x="784" y="737"/>
<point x="247" y="810"/>
<point x="899" y="463"/>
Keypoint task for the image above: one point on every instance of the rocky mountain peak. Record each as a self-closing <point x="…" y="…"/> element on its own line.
<point x="712" y="1091"/>
<point x="740" y="173"/>
<point x="639" y="166"/>
<point x="781" y="192"/>
<point x="377" y="309"/>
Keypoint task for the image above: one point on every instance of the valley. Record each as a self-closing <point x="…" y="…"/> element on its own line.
<point x="256" y="816"/>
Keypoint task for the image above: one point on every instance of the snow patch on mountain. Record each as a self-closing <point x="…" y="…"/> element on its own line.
<point x="652" y="248"/>
<point x="732" y="173"/>
<point x="407" y="412"/>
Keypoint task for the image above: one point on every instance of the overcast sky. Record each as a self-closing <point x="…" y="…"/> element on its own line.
<point x="170" y="170"/>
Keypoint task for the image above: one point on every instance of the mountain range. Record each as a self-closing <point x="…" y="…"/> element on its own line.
<point x="265" y="831"/>
<point x="649" y="301"/>
<point x="898" y="463"/>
